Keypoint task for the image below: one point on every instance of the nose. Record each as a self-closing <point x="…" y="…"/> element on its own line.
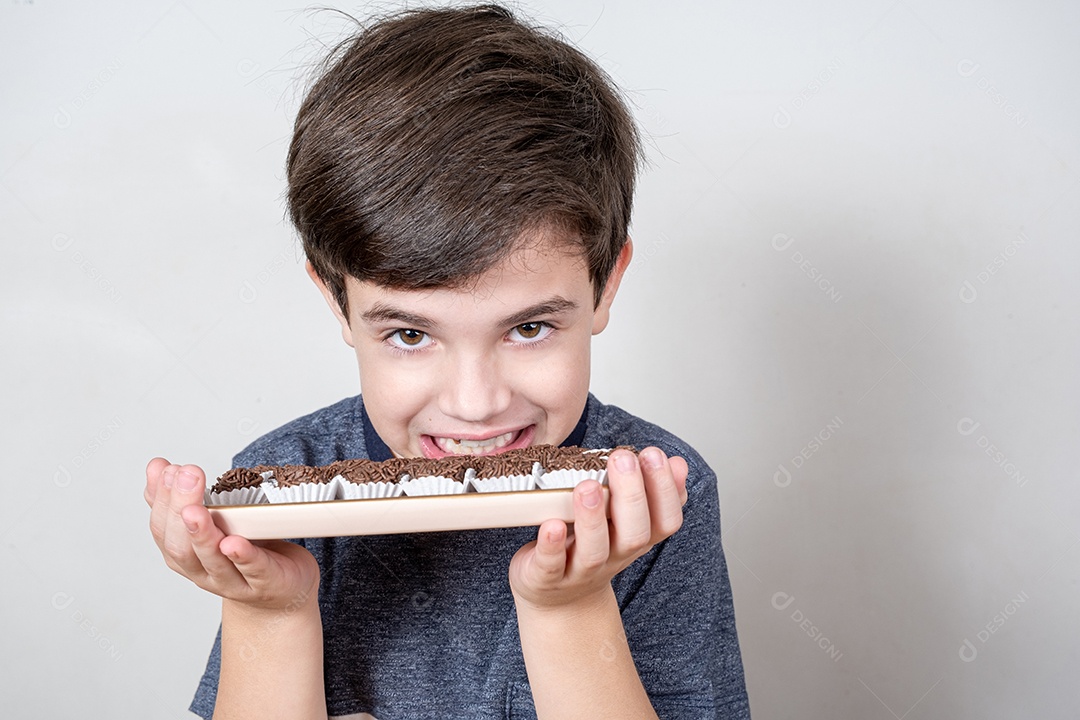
<point x="474" y="388"/>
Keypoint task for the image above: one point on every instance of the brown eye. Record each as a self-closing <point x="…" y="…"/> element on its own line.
<point x="530" y="330"/>
<point x="412" y="338"/>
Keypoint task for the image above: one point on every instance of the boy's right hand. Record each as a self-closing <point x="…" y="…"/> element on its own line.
<point x="270" y="575"/>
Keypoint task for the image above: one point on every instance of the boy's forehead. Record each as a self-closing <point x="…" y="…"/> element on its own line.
<point x="541" y="264"/>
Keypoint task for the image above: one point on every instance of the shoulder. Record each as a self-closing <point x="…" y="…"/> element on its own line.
<point x="610" y="425"/>
<point x="319" y="438"/>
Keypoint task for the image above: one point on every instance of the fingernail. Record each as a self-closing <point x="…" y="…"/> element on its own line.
<point x="191" y="527"/>
<point x="170" y="475"/>
<point x="590" y="498"/>
<point x="186" y="481"/>
<point x="652" y="458"/>
<point x="625" y="461"/>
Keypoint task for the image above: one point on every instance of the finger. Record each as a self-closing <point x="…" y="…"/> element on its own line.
<point x="631" y="531"/>
<point x="159" y="512"/>
<point x="549" y="554"/>
<point x="253" y="562"/>
<point x="187" y="489"/>
<point x="206" y="540"/>
<point x="680" y="471"/>
<point x="153" y="479"/>
<point x="665" y="503"/>
<point x="592" y="544"/>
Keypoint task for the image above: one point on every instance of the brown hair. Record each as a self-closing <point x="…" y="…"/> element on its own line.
<point x="434" y="139"/>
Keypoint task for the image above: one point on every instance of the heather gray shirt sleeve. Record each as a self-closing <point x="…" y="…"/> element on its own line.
<point x="676" y="600"/>
<point x="680" y="622"/>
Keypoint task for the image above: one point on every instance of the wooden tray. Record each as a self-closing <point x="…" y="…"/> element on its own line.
<point x="386" y="516"/>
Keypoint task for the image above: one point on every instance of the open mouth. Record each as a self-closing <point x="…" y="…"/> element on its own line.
<point x="436" y="446"/>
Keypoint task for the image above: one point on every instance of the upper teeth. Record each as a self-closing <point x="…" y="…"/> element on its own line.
<point x="473" y="447"/>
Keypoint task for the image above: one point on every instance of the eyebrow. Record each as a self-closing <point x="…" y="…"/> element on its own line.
<point x="386" y="313"/>
<point x="552" y="306"/>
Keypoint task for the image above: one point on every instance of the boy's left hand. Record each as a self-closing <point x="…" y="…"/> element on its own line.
<point x="559" y="570"/>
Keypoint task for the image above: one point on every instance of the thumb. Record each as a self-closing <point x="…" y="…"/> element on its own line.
<point x="549" y="554"/>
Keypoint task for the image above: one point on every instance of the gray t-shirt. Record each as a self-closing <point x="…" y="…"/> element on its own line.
<point x="423" y="625"/>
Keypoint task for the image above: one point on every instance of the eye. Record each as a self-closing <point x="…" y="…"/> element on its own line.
<point x="530" y="332"/>
<point x="409" y="339"/>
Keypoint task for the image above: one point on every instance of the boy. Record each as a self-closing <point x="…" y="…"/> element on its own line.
<point x="462" y="184"/>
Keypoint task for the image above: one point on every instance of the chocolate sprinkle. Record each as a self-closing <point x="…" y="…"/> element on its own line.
<point x="236" y="479"/>
<point x="511" y="462"/>
<point x="291" y="475"/>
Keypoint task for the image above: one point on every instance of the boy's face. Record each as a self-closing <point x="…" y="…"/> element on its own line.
<point x="499" y="364"/>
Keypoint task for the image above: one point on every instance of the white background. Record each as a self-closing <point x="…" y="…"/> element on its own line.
<point x="917" y="165"/>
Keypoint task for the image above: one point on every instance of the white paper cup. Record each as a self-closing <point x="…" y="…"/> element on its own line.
<point x="431" y="485"/>
<point x="304" y="492"/>
<point x="236" y="496"/>
<point x="569" y="478"/>
<point x="504" y="483"/>
<point x="362" y="491"/>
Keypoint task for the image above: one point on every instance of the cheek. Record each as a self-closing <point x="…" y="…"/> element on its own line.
<point x="393" y="391"/>
<point x="558" y="383"/>
<point x="573" y="374"/>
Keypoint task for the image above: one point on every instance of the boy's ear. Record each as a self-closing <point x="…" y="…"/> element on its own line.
<point x="603" y="310"/>
<point x="346" y="331"/>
